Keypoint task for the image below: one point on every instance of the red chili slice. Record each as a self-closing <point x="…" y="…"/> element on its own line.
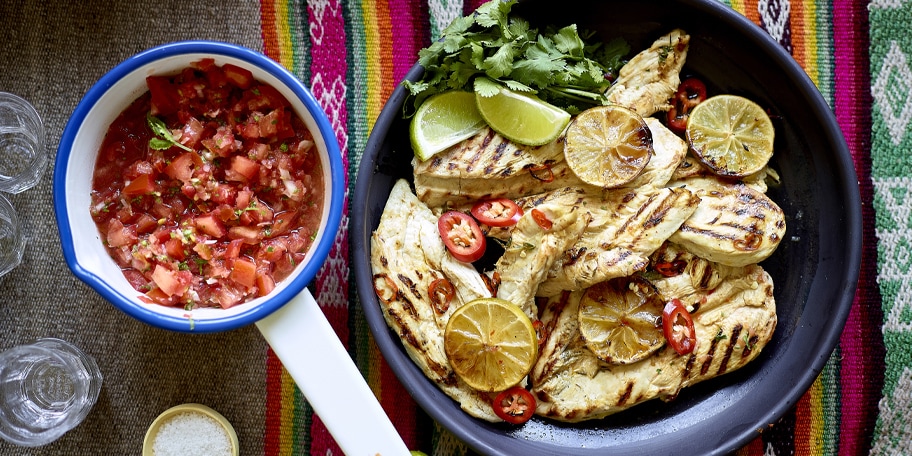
<point x="543" y="172"/>
<point x="678" y="327"/>
<point x="670" y="268"/>
<point x="441" y="292"/>
<point x="462" y="236"/>
<point x="514" y="405"/>
<point x="541" y="219"/>
<point x="387" y="291"/>
<point x="497" y="212"/>
<point x="691" y="92"/>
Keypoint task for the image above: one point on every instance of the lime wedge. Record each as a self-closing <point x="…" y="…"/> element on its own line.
<point x="442" y="121"/>
<point x="522" y="118"/>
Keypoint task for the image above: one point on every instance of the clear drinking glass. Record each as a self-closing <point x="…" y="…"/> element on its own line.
<point x="12" y="242"/>
<point x="23" y="157"/>
<point x="46" y="389"/>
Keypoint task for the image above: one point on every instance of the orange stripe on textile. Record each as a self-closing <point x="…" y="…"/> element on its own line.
<point x="270" y="38"/>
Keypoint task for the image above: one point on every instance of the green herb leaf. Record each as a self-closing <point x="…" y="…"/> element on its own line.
<point x="565" y="67"/>
<point x="164" y="140"/>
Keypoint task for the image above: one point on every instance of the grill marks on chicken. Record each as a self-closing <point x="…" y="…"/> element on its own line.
<point x="734" y="224"/>
<point x="650" y="78"/>
<point x="407" y="255"/>
<point x="675" y="212"/>
<point x="733" y="320"/>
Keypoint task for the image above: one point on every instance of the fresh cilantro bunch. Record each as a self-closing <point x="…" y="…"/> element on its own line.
<point x="490" y="49"/>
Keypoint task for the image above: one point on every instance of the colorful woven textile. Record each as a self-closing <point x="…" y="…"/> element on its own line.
<point x="352" y="54"/>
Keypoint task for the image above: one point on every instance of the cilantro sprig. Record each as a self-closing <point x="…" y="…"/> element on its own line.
<point x="491" y="49"/>
<point x="164" y="139"/>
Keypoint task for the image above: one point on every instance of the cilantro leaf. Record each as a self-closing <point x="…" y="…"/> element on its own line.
<point x="164" y="140"/>
<point x="491" y="49"/>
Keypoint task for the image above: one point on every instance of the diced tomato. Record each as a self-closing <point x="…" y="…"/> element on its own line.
<point x="142" y="185"/>
<point x="234" y="248"/>
<point x="247" y="234"/>
<point x="181" y="168"/>
<point x="169" y="281"/>
<point x="242" y="169"/>
<point x="120" y="235"/>
<point x="229" y="296"/>
<point x="283" y="222"/>
<point x="243" y="272"/>
<point x="222" y="142"/>
<point x="165" y="98"/>
<point x="191" y="133"/>
<point x="211" y="225"/>
<point x="204" y="251"/>
<point x="240" y="77"/>
<point x="175" y="249"/>
<point x="145" y="223"/>
<point x="265" y="283"/>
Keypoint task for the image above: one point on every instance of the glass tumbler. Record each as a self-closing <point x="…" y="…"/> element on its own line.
<point x="46" y="389"/>
<point x="12" y="242"/>
<point x="23" y="157"/>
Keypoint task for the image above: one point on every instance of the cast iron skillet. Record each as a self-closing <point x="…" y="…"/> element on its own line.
<point x="814" y="269"/>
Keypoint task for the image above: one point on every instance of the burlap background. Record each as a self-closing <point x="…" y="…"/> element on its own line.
<point x="50" y="54"/>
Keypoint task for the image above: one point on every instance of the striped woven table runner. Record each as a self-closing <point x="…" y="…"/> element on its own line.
<point x="352" y="55"/>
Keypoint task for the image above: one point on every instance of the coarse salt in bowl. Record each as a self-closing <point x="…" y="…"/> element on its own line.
<point x="190" y="430"/>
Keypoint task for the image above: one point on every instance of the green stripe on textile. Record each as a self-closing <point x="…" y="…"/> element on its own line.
<point x="824" y="27"/>
<point x="300" y="40"/>
<point x="830" y="403"/>
<point x="891" y="141"/>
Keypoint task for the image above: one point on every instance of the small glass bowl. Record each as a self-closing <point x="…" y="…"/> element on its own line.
<point x="23" y="157"/>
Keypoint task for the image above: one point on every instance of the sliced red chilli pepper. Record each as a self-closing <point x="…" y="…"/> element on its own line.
<point x="542" y="172"/>
<point x="670" y="268"/>
<point x="492" y="282"/>
<point x="441" y="292"/>
<point x="497" y="212"/>
<point x="387" y="291"/>
<point x="678" y="327"/>
<point x="541" y="219"/>
<point x="690" y="93"/>
<point x="515" y="405"/>
<point x="461" y="236"/>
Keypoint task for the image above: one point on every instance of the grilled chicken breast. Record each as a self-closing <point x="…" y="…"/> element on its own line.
<point x="533" y="249"/>
<point x="407" y="255"/>
<point x="733" y="224"/>
<point x="650" y="78"/>
<point x="734" y="320"/>
<point x="490" y="166"/>
<point x="627" y="225"/>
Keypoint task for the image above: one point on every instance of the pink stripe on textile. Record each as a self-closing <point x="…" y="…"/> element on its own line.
<point x="328" y="70"/>
<point x="409" y="20"/>
<point x="862" y="355"/>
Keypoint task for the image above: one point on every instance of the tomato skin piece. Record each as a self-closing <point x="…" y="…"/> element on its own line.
<point x="497" y="212"/>
<point x="515" y="405"/>
<point x="678" y="327"/>
<point x="461" y="236"/>
<point x="690" y="93"/>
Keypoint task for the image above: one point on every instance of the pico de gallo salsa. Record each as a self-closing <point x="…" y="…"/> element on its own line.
<point x="207" y="189"/>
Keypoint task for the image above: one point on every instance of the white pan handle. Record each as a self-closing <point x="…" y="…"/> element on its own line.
<point x="312" y="354"/>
